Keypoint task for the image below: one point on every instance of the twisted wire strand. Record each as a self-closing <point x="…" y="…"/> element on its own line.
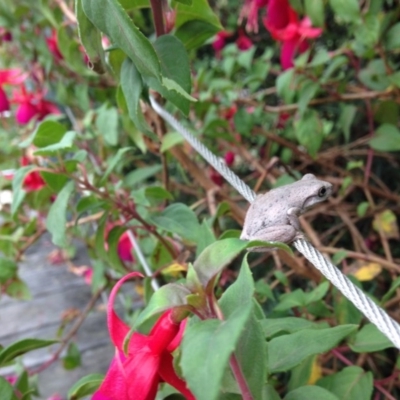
<point x="389" y="327"/>
<point x="210" y="157"/>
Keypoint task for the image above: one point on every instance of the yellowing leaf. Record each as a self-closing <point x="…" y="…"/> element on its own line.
<point x="386" y="223"/>
<point x="316" y="372"/>
<point x="139" y="289"/>
<point x="174" y="270"/>
<point x="367" y="272"/>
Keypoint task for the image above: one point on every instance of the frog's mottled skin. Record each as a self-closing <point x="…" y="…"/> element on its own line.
<point x="274" y="216"/>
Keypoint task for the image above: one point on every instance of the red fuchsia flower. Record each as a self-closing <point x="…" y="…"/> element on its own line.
<point x="220" y="41"/>
<point x="136" y="375"/>
<point x="31" y="105"/>
<point x="5" y="35"/>
<point x="33" y="181"/>
<point x="9" y="77"/>
<point x="250" y="12"/>
<point x="284" y="25"/>
<point x="229" y="158"/>
<point x="125" y="248"/>
<point x="243" y="42"/>
<point x="52" y="45"/>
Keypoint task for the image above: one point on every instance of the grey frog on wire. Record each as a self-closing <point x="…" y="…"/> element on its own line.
<point x="274" y="216"/>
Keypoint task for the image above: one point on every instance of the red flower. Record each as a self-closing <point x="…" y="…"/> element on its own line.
<point x="32" y="105"/>
<point x="125" y="248"/>
<point x="220" y="41"/>
<point x="10" y="77"/>
<point x="136" y="376"/>
<point x="243" y="42"/>
<point x="284" y="25"/>
<point x="4" y="103"/>
<point x="52" y="45"/>
<point x="229" y="158"/>
<point x="33" y="181"/>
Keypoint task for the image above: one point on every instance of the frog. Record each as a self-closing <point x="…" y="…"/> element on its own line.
<point x="274" y="216"/>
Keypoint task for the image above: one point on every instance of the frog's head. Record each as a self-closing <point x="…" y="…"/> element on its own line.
<point x="315" y="190"/>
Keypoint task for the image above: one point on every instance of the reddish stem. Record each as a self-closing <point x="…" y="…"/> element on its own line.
<point x="158" y="16"/>
<point x="238" y="374"/>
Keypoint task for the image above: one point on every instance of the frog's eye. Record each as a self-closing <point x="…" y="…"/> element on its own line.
<point x="322" y="191"/>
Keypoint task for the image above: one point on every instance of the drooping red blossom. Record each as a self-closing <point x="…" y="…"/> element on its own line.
<point x="9" y="77"/>
<point x="220" y="40"/>
<point x="216" y="177"/>
<point x="243" y="42"/>
<point x="229" y="158"/>
<point x="250" y="12"/>
<point x="5" y="35"/>
<point x="4" y="103"/>
<point x="284" y="25"/>
<point x="33" y="181"/>
<point x="31" y="105"/>
<point x="125" y="248"/>
<point x="52" y="45"/>
<point x="136" y="375"/>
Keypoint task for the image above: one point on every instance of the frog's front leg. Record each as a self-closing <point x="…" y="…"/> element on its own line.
<point x="293" y="216"/>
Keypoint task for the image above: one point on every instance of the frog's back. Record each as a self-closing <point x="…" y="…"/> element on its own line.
<point x="267" y="210"/>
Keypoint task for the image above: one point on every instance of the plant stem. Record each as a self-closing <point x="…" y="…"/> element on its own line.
<point x="237" y="373"/>
<point x="157" y="10"/>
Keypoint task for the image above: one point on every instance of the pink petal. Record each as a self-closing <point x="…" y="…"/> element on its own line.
<point x="168" y="374"/>
<point x="243" y="42"/>
<point x="114" y="386"/>
<point x="163" y="332"/>
<point x="25" y="112"/>
<point x="4" y="103"/>
<point x="12" y="76"/>
<point x="117" y="328"/>
<point x="279" y="15"/>
<point x="289" y="50"/>
<point x="125" y="248"/>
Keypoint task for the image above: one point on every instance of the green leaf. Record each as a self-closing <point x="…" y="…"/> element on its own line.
<point x="17" y="187"/>
<point x="72" y="359"/>
<point x="395" y="79"/>
<point x="8" y="269"/>
<point x="285" y="85"/>
<point x="48" y="133"/>
<point x="307" y="92"/>
<point x="91" y="40"/>
<point x="18" y="289"/>
<point x="57" y="218"/>
<point x="251" y="348"/>
<point x="206" y="348"/>
<point x="6" y="390"/>
<point x="167" y="297"/>
<point x="198" y="10"/>
<point x="112" y="19"/>
<point x="171" y="139"/>
<point x="368" y="339"/>
<point x="66" y="142"/>
<point x="113" y="163"/>
<point x="346" y="119"/>
<point x="194" y="33"/>
<point x="216" y="257"/>
<point x="310" y="392"/>
<point x="179" y="219"/>
<point x="132" y="87"/>
<point x="85" y="386"/>
<point x="141" y="174"/>
<point x="352" y="383"/>
<point x="21" y="347"/>
<point x="309" y="132"/>
<point x="392" y="38"/>
<point x="315" y="10"/>
<point x="205" y="237"/>
<point x="55" y="181"/>
<point x="287" y="351"/>
<point x="387" y="138"/>
<point x="107" y="124"/>
<point x="175" y="70"/>
<point x="346" y="10"/>
<point x="240" y="293"/>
